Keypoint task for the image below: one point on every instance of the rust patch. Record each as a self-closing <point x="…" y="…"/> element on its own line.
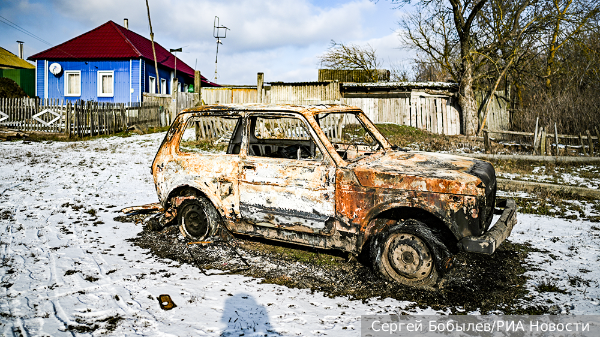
<point x="144" y="209"/>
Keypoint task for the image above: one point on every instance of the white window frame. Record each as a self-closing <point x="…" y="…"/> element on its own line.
<point x="99" y="83"/>
<point x="163" y="86"/>
<point x="66" y="76"/>
<point x="152" y="86"/>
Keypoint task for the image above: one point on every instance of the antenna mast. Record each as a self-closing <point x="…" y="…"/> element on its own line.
<point x="219" y="32"/>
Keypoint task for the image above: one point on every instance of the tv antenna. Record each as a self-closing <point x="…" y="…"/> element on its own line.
<point x="219" y="32"/>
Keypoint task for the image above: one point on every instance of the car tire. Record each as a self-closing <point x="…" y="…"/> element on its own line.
<point x="197" y="218"/>
<point x="403" y="254"/>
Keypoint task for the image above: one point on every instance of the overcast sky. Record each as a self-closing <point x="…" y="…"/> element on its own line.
<point x="281" y="38"/>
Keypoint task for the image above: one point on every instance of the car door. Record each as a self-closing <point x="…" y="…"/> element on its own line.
<point x="208" y="159"/>
<point x="285" y="181"/>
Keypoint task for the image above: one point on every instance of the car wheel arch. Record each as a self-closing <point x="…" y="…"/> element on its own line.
<point x="384" y="217"/>
<point x="191" y="190"/>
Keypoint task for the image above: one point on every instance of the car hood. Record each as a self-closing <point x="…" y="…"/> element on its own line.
<point x="422" y="171"/>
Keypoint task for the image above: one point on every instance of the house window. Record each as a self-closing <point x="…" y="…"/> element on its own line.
<point x="163" y="86"/>
<point x="106" y="80"/>
<point x="73" y="83"/>
<point x="152" y="85"/>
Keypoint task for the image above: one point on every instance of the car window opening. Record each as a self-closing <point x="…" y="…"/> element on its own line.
<point x="212" y="134"/>
<point x="281" y="137"/>
<point x="351" y="139"/>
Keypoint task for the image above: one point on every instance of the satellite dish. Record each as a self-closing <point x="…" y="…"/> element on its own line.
<point x="55" y="69"/>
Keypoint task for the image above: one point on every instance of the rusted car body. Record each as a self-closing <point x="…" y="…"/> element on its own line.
<point x="324" y="176"/>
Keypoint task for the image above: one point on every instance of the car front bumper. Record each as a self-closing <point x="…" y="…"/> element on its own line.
<point x="490" y="240"/>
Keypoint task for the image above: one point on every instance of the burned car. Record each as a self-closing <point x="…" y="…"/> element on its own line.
<point x="324" y="176"/>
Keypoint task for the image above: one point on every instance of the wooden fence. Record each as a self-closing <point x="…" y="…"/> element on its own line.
<point x="305" y="93"/>
<point x="30" y="114"/>
<point x="430" y="106"/>
<point x="434" y="113"/>
<point x="171" y="106"/>
<point x="498" y="117"/>
<point x="544" y="142"/>
<point x="227" y="95"/>
<point x="437" y="113"/>
<point x="75" y="119"/>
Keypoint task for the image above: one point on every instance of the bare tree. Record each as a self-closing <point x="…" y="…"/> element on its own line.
<point x="510" y="30"/>
<point x="447" y="35"/>
<point x="351" y="56"/>
<point x="569" y="18"/>
<point x="529" y="45"/>
<point x="426" y="70"/>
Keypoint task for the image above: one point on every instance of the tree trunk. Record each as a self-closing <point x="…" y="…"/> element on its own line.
<point x="466" y="99"/>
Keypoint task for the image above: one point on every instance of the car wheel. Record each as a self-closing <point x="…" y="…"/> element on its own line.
<point x="403" y="254"/>
<point x="198" y="218"/>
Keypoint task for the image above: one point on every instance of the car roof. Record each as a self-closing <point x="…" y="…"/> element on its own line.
<point x="306" y="110"/>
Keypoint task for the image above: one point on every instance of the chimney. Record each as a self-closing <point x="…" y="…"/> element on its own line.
<point x="126" y="21"/>
<point x="20" y="49"/>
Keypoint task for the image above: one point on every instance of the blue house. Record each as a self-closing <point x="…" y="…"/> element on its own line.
<point x="108" y="64"/>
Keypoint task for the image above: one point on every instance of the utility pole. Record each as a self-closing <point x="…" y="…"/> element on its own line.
<point x="153" y="50"/>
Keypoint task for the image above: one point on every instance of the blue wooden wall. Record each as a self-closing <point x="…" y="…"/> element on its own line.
<point x="136" y="95"/>
<point x="89" y="75"/>
<point x="39" y="78"/>
<point x="165" y="73"/>
<point x="131" y="79"/>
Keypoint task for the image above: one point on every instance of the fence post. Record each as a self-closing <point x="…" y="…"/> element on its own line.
<point x="582" y="145"/>
<point x="597" y="136"/>
<point x="543" y="140"/>
<point x="486" y="141"/>
<point x="260" y="79"/>
<point x="68" y="120"/>
<point x="92" y="124"/>
<point x="591" y="141"/>
<point x="124" y="118"/>
<point x="557" y="152"/>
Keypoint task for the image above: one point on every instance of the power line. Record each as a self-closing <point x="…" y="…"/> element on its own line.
<point x="21" y="29"/>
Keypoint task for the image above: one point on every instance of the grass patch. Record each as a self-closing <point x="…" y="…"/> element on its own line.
<point x="549" y="286"/>
<point x="566" y="206"/>
<point x="405" y="136"/>
<point x="202" y="145"/>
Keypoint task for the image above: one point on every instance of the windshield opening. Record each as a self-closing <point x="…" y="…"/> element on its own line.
<point x="350" y="138"/>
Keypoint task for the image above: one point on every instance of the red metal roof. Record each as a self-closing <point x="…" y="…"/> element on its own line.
<point x="112" y="41"/>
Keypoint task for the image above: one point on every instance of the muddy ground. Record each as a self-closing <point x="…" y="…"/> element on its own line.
<point x="487" y="284"/>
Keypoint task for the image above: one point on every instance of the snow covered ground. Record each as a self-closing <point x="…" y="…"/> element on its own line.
<point x="68" y="269"/>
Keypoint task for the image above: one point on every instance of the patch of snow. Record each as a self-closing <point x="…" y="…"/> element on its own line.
<point x="568" y="257"/>
<point x="66" y="262"/>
